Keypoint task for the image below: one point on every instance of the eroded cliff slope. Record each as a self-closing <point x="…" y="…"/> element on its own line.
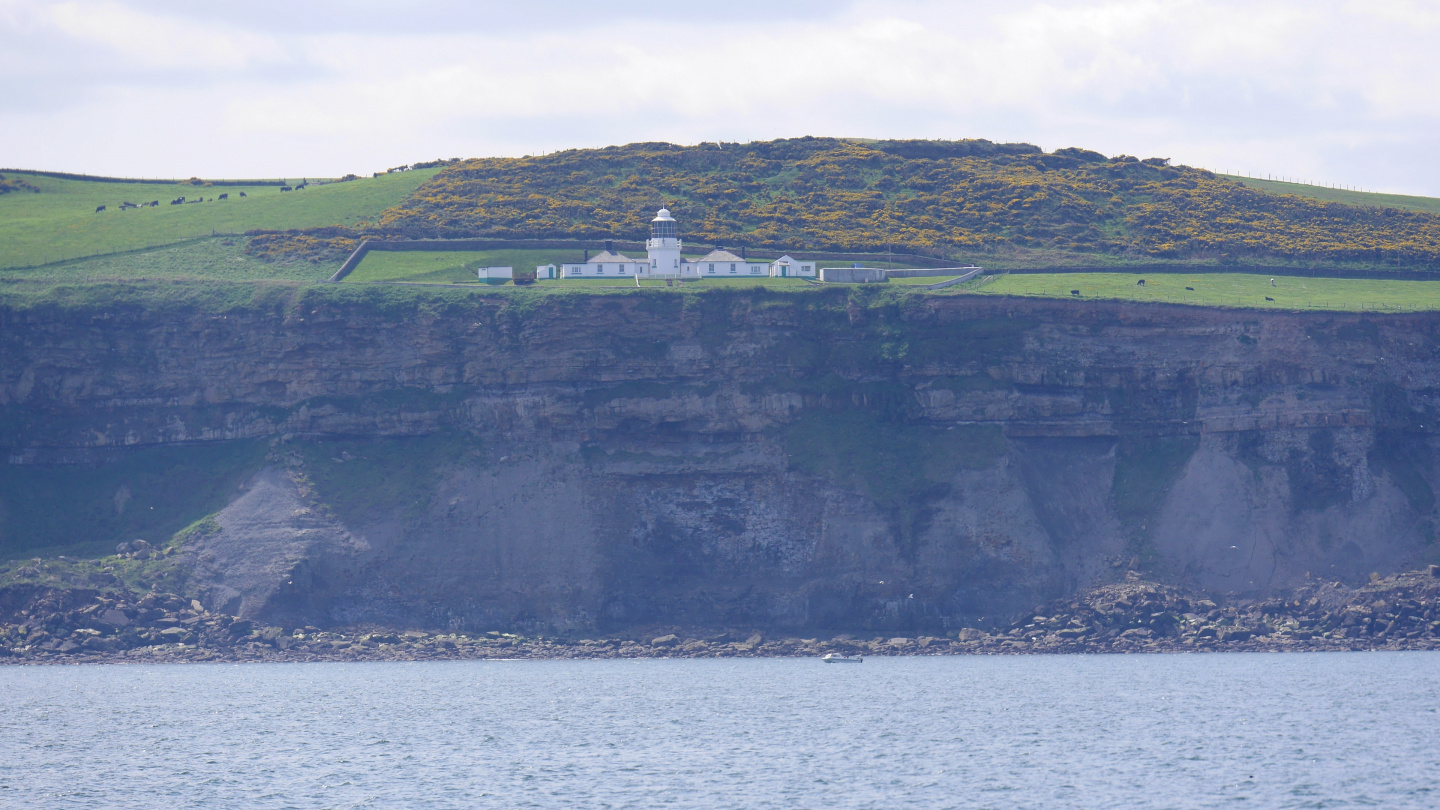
<point x="827" y="459"/>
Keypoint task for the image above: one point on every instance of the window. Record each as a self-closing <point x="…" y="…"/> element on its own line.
<point x="712" y="268"/>
<point x="621" y="269"/>
<point x="732" y="268"/>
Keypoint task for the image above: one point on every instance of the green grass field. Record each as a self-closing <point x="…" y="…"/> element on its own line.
<point x="207" y="259"/>
<point x="449" y="266"/>
<point x="1225" y="290"/>
<point x="1429" y="205"/>
<point x="60" y="222"/>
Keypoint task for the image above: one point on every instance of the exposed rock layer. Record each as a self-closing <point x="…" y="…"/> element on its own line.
<point x="831" y="460"/>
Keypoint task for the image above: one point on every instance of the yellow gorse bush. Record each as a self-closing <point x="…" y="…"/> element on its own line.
<point x="936" y="196"/>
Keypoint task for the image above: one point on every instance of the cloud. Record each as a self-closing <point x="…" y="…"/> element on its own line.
<point x="148" y="41"/>
<point x="1331" y="91"/>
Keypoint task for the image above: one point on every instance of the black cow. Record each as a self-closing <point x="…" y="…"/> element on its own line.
<point x="302" y="185"/>
<point x="178" y="201"/>
<point x="285" y="188"/>
<point x="1268" y="298"/>
<point x="1074" y="292"/>
<point x="154" y="203"/>
<point x="101" y="208"/>
<point x="224" y="196"/>
<point x="242" y="194"/>
<point x="1140" y="283"/>
<point x="1191" y="289"/>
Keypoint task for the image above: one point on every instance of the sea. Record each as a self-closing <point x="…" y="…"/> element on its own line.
<point x="1242" y="730"/>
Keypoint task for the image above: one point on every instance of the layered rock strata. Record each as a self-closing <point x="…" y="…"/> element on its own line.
<point x="826" y="461"/>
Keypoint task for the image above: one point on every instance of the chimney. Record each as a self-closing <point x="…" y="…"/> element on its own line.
<point x="587" y="256"/>
<point x="742" y="252"/>
<point x="609" y="246"/>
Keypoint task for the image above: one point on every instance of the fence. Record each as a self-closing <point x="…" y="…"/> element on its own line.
<point x="930" y="272"/>
<point x="137" y="248"/>
<point x="443" y="245"/>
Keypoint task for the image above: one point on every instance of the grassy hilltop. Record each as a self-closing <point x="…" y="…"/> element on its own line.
<point x="950" y="198"/>
<point x="1005" y="206"/>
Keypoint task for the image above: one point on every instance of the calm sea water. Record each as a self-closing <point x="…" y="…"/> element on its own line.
<point x="1159" y="731"/>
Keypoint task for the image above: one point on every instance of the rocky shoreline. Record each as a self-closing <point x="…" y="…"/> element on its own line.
<point x="1402" y="612"/>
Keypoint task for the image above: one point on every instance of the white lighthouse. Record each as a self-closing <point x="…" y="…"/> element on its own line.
<point x="664" y="245"/>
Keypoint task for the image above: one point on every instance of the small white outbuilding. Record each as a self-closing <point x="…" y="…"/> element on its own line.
<point x="787" y="267"/>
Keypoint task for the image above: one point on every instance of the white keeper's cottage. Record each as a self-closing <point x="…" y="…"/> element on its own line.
<point x="663" y="260"/>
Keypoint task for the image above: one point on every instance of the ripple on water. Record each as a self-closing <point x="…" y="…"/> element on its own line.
<point x="1262" y="730"/>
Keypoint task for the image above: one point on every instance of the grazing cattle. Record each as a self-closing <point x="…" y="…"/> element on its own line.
<point x="154" y="203"/>
<point x="127" y="204"/>
<point x="101" y="208"/>
<point x="1074" y="292"/>
<point x="242" y="194"/>
<point x="1191" y="289"/>
<point x="285" y="188"/>
<point x="1140" y="283"/>
<point x="1268" y="298"/>
<point x="302" y="185"/>
<point x="224" y="196"/>
<point x="178" y="201"/>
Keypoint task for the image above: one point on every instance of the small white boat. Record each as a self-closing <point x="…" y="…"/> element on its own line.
<point x="840" y="658"/>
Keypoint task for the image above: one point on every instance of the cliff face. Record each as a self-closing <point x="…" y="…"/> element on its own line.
<point x="829" y="460"/>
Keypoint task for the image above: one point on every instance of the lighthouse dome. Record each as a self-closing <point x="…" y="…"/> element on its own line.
<point x="663" y="213"/>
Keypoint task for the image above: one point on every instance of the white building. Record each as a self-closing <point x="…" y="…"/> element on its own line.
<point x="663" y="260"/>
<point x="487" y="273"/>
<point x="786" y="267"/>
<point x="724" y="264"/>
<point x="606" y="264"/>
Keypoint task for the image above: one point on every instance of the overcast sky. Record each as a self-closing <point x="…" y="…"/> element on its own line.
<point x="1334" y="92"/>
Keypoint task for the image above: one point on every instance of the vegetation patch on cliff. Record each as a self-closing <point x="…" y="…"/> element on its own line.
<point x="147" y="494"/>
<point x="901" y="466"/>
<point x="1146" y="467"/>
<point x="365" y="479"/>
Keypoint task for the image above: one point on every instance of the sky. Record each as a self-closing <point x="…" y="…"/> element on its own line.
<point x="1343" y="93"/>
